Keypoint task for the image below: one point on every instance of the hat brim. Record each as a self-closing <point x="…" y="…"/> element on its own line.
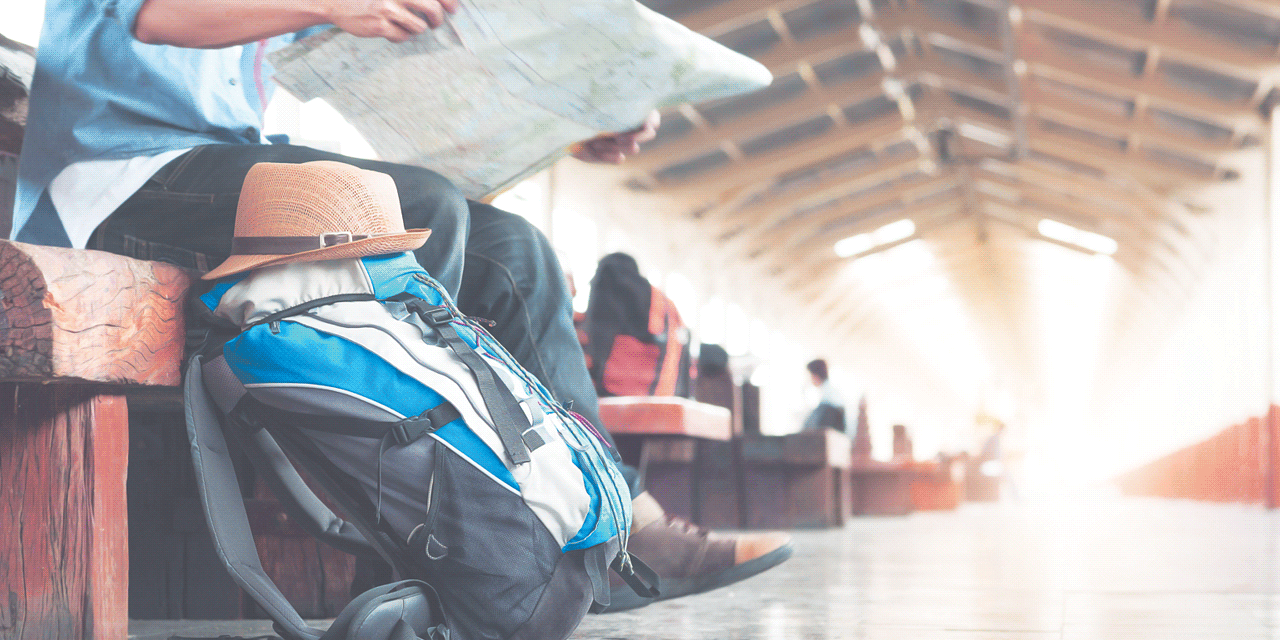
<point x="377" y="245"/>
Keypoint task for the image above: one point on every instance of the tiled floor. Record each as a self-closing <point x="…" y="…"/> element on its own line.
<point x="1100" y="569"/>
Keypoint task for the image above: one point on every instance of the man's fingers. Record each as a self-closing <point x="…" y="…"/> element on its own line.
<point x="409" y="21"/>
<point x="432" y="11"/>
<point x="392" y="31"/>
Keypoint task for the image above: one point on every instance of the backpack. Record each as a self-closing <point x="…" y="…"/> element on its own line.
<point x="500" y="510"/>
<point x="637" y="344"/>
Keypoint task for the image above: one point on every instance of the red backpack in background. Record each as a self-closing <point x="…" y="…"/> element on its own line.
<point x="636" y="343"/>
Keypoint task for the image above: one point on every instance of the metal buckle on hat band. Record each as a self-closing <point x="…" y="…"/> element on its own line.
<point x="335" y="238"/>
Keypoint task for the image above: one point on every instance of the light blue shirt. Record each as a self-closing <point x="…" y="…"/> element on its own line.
<point x="98" y="93"/>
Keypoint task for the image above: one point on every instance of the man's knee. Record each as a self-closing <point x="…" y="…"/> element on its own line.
<point x="430" y="200"/>
<point x="506" y="237"/>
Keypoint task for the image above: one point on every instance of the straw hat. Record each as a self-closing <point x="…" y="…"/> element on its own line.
<point x="319" y="210"/>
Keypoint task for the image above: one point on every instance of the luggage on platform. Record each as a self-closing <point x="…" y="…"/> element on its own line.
<point x="500" y="510"/>
<point x="637" y="345"/>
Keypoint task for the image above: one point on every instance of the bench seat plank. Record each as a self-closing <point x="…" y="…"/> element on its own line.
<point x="89" y="316"/>
<point x="649" y="415"/>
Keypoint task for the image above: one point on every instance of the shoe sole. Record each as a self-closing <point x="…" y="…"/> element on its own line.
<point x="624" y="598"/>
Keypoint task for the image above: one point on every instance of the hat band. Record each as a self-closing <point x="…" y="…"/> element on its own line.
<point x="289" y="245"/>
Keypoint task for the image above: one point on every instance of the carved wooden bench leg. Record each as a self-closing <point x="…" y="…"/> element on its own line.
<point x="64" y="452"/>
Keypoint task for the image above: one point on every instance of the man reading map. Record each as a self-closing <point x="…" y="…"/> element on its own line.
<point x="146" y="115"/>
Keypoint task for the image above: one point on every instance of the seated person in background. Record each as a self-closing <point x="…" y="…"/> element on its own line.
<point x="714" y="383"/>
<point x="829" y="414"/>
<point x="902" y="447"/>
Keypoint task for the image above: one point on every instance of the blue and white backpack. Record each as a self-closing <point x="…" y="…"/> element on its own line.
<point x="502" y="510"/>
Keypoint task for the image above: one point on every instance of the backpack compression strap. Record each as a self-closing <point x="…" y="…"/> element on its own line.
<point x="508" y="419"/>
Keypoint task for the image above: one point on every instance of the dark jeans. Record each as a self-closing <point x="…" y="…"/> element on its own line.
<point x="495" y="264"/>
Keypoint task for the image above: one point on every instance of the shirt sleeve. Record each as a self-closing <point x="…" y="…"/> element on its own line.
<point x="124" y="12"/>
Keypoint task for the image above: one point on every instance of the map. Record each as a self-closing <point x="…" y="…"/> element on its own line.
<point x="506" y="87"/>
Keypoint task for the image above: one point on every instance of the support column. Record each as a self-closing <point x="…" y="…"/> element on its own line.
<point x="1270" y="435"/>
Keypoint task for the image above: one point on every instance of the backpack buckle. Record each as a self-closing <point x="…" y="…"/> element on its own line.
<point x="437" y="316"/>
<point x="410" y="429"/>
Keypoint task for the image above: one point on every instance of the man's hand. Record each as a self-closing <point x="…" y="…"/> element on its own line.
<point x="213" y="24"/>
<point x="613" y="148"/>
<point x="395" y="20"/>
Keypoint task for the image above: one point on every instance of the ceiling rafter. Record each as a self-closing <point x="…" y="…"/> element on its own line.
<point x="934" y="72"/>
<point x="803" y="251"/>
<point x="891" y="205"/>
<point x="733" y="177"/>
<point x="787" y="57"/>
<point x="1103" y="21"/>
<point x="730" y="14"/>
<point x="1097" y="208"/>
<point x="812" y="269"/>
<point x="1055" y="144"/>
<point x="1035" y="172"/>
<point x="811" y="104"/>
<point x="769" y="212"/>
<point x="1043" y="60"/>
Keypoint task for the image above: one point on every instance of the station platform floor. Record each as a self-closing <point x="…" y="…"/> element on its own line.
<point x="1099" y="568"/>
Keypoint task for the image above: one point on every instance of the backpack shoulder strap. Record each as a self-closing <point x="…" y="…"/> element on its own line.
<point x="297" y="499"/>
<point x="225" y="512"/>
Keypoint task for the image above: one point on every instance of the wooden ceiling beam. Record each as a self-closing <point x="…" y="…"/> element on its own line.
<point x="1102" y="21"/>
<point x="931" y="70"/>
<point x="1149" y="242"/>
<point x="725" y="16"/>
<point x="1042" y="103"/>
<point x="785" y="57"/>
<point x="768" y="212"/>
<point x="1112" y="161"/>
<point x="1094" y="208"/>
<point x="1123" y="129"/>
<point x="1044" y="60"/>
<point x="1163" y="176"/>
<point x="797" y="252"/>
<point x="810" y="270"/>
<point x="1034" y="172"/>
<point x="761" y="237"/>
<point x="735" y="176"/>
<point x="812" y="104"/>
<point x="1031" y="208"/>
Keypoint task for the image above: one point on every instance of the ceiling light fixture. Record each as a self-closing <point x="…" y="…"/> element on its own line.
<point x="1094" y="242"/>
<point x="983" y="134"/>
<point x="864" y="242"/>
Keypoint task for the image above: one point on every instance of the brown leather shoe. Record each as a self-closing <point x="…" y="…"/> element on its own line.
<point x="689" y="559"/>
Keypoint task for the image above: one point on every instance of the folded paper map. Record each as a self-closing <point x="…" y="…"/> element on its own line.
<point x="506" y="87"/>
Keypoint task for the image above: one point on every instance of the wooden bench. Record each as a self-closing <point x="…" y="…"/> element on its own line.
<point x="664" y="438"/>
<point x="77" y="329"/>
<point x="881" y="488"/>
<point x="936" y="486"/>
<point x="92" y="439"/>
<point x="797" y="480"/>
